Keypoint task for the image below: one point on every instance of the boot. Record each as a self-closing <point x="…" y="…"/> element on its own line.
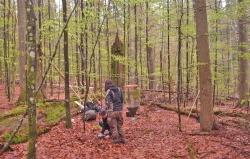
<point x="122" y="140"/>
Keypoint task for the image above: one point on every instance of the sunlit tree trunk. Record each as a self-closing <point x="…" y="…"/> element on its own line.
<point x="206" y="94"/>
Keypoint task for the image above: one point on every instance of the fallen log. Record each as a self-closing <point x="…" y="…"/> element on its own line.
<point x="54" y="100"/>
<point x="154" y="90"/>
<point x="182" y="111"/>
<point x="217" y="111"/>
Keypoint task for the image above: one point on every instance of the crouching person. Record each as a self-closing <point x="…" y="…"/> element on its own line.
<point x="114" y="107"/>
<point x="105" y="132"/>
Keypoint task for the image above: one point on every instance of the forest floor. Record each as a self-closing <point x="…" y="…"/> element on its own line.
<point x="152" y="134"/>
<point x="4" y="103"/>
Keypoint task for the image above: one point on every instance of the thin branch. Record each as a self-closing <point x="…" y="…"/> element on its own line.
<point x="56" y="47"/>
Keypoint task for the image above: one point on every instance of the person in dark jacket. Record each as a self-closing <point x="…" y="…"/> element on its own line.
<point x="114" y="107"/>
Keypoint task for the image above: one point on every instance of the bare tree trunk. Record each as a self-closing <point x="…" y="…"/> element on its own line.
<point x="31" y="76"/>
<point x="206" y="95"/>
<point x="162" y="51"/>
<point x="187" y="56"/>
<point x="13" y="49"/>
<point x="179" y="67"/>
<point x="6" y="50"/>
<point x="21" y="43"/>
<point x="86" y="55"/>
<point x="82" y="49"/>
<point x="99" y="50"/>
<point x="107" y="39"/>
<point x="136" y="46"/>
<point x="169" y="62"/>
<point x="39" y="51"/>
<point x="150" y="63"/>
<point x="140" y="41"/>
<point x="50" y="53"/>
<point x="228" y="60"/>
<point x="77" y="48"/>
<point x="216" y="54"/>
<point x="243" y="64"/>
<point x="128" y="43"/>
<point x="66" y="68"/>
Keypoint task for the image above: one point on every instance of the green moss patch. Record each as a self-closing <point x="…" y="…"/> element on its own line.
<point x="54" y="113"/>
<point x="13" y="112"/>
<point x="48" y="114"/>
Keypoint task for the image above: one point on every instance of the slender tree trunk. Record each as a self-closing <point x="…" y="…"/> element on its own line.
<point x="136" y="46"/>
<point x="77" y="48"/>
<point x="5" y="48"/>
<point x="99" y="50"/>
<point x="169" y="60"/>
<point x="206" y="95"/>
<point x="13" y="49"/>
<point x="66" y="68"/>
<point x="50" y="53"/>
<point x="216" y="54"/>
<point x="140" y="41"/>
<point x="107" y="39"/>
<point x="82" y="49"/>
<point x="31" y="76"/>
<point x="243" y="63"/>
<point x="128" y="42"/>
<point x="228" y="60"/>
<point x="162" y="51"/>
<point x="187" y="56"/>
<point x="86" y="55"/>
<point x="39" y="51"/>
<point x="59" y="56"/>
<point x="179" y="65"/>
<point x="150" y="63"/>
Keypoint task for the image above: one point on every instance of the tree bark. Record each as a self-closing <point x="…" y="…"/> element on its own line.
<point x="150" y="62"/>
<point x="169" y="62"/>
<point x="21" y="43"/>
<point x="136" y="46"/>
<point x="206" y="97"/>
<point x="66" y="68"/>
<point x="216" y="54"/>
<point x="6" y="50"/>
<point x="179" y="64"/>
<point x="243" y="64"/>
<point x="31" y="76"/>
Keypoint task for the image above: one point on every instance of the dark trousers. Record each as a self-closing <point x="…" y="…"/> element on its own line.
<point x="105" y="126"/>
<point x="116" y="122"/>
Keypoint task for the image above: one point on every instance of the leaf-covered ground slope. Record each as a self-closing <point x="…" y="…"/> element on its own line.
<point x="154" y="134"/>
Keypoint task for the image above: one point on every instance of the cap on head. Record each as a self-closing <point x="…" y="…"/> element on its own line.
<point x="108" y="84"/>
